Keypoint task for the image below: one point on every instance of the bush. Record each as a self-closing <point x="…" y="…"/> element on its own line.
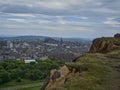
<point x="19" y="80"/>
<point x="4" y="76"/>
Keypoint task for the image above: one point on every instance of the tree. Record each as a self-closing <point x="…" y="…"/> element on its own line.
<point x="4" y="76"/>
<point x="19" y="80"/>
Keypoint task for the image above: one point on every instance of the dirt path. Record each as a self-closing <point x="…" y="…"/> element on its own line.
<point x="21" y="86"/>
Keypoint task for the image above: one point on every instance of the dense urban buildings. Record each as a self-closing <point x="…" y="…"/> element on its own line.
<point x="20" y="49"/>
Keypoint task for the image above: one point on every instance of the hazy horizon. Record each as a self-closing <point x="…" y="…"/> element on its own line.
<point x="10" y="36"/>
<point x="60" y="18"/>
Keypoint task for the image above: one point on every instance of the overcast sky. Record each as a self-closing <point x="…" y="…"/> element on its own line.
<point x="60" y="18"/>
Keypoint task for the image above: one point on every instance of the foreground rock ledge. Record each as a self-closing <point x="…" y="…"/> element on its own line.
<point x="59" y="77"/>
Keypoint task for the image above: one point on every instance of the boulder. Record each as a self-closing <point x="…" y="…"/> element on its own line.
<point x="117" y="35"/>
<point x="59" y="77"/>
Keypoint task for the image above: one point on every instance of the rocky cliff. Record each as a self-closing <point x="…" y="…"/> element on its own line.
<point x="59" y="77"/>
<point x="91" y="71"/>
<point x="103" y="45"/>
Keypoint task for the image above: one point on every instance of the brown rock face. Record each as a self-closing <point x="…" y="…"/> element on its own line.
<point x="103" y="45"/>
<point x="100" y="45"/>
<point x="58" y="77"/>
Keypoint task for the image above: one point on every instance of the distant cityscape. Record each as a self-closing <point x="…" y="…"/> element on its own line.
<point x="47" y="48"/>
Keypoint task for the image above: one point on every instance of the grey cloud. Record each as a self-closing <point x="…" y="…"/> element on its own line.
<point x="89" y="8"/>
<point x="38" y="12"/>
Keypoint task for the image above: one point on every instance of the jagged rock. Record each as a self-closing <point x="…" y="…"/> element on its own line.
<point x="59" y="77"/>
<point x="117" y="35"/>
<point x="103" y="45"/>
<point x="56" y="78"/>
<point x="56" y="75"/>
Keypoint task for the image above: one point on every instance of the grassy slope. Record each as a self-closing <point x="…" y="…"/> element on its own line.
<point x="21" y="86"/>
<point x="14" y="83"/>
<point x="31" y="88"/>
<point x="97" y="72"/>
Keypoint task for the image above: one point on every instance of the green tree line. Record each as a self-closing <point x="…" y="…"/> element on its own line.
<point x="18" y="70"/>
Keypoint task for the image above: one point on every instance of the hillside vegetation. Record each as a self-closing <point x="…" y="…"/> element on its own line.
<point x="96" y="72"/>
<point x="14" y="72"/>
<point x="99" y="70"/>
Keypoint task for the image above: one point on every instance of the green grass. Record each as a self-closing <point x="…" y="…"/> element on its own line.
<point x="97" y="72"/>
<point x="114" y="54"/>
<point x="31" y="88"/>
<point x="14" y="83"/>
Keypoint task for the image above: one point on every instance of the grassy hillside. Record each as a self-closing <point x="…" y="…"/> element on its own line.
<point x="97" y="72"/>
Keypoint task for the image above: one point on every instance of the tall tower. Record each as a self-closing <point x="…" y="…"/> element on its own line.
<point x="61" y="41"/>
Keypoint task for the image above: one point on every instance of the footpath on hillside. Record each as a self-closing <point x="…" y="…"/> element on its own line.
<point x="21" y="86"/>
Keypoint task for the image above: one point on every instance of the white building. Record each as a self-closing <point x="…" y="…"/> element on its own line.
<point x="29" y="61"/>
<point x="51" y="44"/>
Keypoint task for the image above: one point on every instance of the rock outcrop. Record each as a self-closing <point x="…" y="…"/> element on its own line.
<point x="59" y="77"/>
<point x="103" y="45"/>
<point x="117" y="35"/>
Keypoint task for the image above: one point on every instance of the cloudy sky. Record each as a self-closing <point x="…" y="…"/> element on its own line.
<point x="61" y="18"/>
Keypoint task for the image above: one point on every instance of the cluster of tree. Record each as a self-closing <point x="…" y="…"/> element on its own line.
<point x="18" y="70"/>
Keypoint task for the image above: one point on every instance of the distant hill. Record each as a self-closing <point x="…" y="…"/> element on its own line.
<point x="25" y="38"/>
<point x="97" y="70"/>
<point x="51" y="40"/>
<point x="42" y="38"/>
